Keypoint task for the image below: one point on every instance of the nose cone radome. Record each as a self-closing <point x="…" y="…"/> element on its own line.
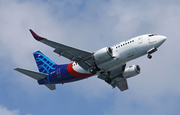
<point x="161" y="40"/>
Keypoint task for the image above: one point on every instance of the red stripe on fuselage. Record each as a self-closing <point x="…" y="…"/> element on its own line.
<point x="76" y="74"/>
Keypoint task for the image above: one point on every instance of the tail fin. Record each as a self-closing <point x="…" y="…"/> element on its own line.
<point x="44" y="64"/>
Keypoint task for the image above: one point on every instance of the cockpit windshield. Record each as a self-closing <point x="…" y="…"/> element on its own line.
<point x="150" y="35"/>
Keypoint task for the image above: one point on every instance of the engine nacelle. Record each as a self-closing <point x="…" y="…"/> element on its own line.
<point x="131" y="71"/>
<point x="103" y="53"/>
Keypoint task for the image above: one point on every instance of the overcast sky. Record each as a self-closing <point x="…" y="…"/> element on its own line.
<point x="89" y="25"/>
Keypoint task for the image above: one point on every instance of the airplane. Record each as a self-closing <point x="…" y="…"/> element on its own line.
<point x="108" y="63"/>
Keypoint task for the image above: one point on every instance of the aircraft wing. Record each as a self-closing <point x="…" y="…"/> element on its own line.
<point x="68" y="52"/>
<point x="118" y="80"/>
<point x="122" y="85"/>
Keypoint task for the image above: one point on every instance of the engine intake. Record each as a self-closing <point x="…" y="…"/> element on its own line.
<point x="103" y="53"/>
<point x="131" y="71"/>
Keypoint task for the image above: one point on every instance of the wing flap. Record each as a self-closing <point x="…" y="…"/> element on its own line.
<point x="69" y="56"/>
<point x="103" y="77"/>
<point x="122" y="85"/>
<point x="66" y="51"/>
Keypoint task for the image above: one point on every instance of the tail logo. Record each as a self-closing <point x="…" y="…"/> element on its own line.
<point x="45" y="65"/>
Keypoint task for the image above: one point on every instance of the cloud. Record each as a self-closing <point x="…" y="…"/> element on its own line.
<point x="5" y="111"/>
<point x="91" y="25"/>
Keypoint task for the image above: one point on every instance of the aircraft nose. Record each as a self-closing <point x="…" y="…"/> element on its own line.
<point x="163" y="39"/>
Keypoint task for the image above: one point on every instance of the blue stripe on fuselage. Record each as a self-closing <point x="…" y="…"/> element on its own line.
<point x="59" y="75"/>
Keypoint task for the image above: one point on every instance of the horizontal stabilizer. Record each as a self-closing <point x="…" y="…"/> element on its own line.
<point x="51" y="86"/>
<point x="34" y="75"/>
<point x="37" y="76"/>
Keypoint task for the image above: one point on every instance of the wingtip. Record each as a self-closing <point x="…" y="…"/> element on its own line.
<point x="35" y="35"/>
<point x="30" y="30"/>
<point x="17" y="69"/>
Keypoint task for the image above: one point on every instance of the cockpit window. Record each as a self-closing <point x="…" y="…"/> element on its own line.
<point x="152" y="35"/>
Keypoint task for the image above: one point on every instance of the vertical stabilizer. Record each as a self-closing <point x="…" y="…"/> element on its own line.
<point x="44" y="64"/>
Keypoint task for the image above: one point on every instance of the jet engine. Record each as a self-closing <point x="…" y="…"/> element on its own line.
<point x="131" y="71"/>
<point x="103" y="54"/>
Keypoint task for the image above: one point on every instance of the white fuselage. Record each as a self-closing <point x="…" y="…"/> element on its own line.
<point x="126" y="51"/>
